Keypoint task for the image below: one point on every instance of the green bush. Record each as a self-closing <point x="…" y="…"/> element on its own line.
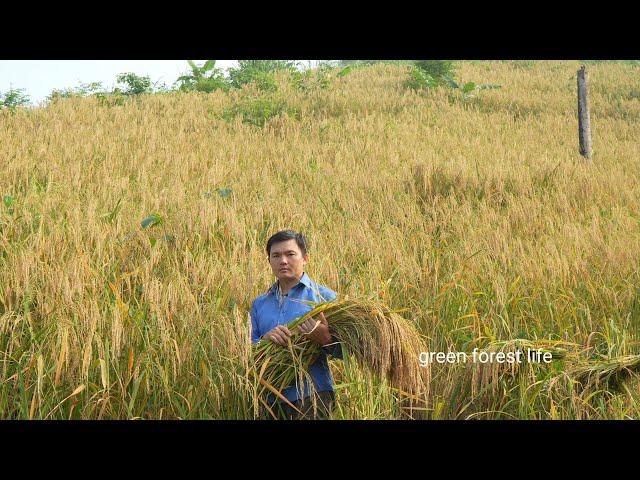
<point x="13" y="98"/>
<point x="468" y="89"/>
<point x="312" y="79"/>
<point x="133" y="84"/>
<point x="419" y="79"/>
<point x="206" y="78"/>
<point x="264" y="81"/>
<point x="329" y="63"/>
<point x="434" y="73"/>
<point x="111" y="99"/>
<point x="82" y="90"/>
<point x="259" y="72"/>
<point x="258" y="110"/>
<point x="440" y="70"/>
<point x="366" y="63"/>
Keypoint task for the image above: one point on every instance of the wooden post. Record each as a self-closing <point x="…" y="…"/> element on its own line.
<point x="584" y="122"/>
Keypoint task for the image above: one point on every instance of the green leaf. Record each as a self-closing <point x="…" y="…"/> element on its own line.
<point x="194" y="69"/>
<point x="8" y="201"/>
<point x="488" y="86"/>
<point x="151" y="221"/>
<point x="344" y="71"/>
<point x="134" y="393"/>
<point x="112" y="214"/>
<point x="223" y="192"/>
<point x="430" y="81"/>
<point x="450" y="81"/>
<point x="208" y="65"/>
<point x="468" y="87"/>
<point x="169" y="238"/>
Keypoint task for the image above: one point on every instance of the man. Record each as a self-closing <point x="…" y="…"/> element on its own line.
<point x="282" y="303"/>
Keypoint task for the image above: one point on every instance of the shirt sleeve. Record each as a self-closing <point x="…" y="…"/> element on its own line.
<point x="255" y="330"/>
<point x="328" y="295"/>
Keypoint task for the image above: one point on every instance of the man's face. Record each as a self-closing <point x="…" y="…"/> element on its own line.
<point x="286" y="260"/>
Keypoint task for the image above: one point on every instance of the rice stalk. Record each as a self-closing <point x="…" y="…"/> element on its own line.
<point x="379" y="339"/>
<point x="489" y="385"/>
<point x="608" y="374"/>
<point x="487" y="375"/>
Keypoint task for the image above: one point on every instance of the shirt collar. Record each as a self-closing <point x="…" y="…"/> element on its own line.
<point x="305" y="280"/>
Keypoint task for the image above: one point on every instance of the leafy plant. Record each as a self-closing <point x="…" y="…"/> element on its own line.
<point x="82" y="90"/>
<point x="468" y="88"/>
<point x="345" y="71"/>
<point x="433" y="73"/>
<point x="223" y="192"/>
<point x="258" y="110"/>
<point x="439" y="70"/>
<point x="358" y="63"/>
<point x="110" y="216"/>
<point x="13" y="98"/>
<point x="151" y="221"/>
<point x="419" y="79"/>
<point x="366" y="63"/>
<point x="265" y="82"/>
<point x="134" y="84"/>
<point x="311" y="79"/>
<point x="259" y="72"/>
<point x="112" y="98"/>
<point x="329" y="63"/>
<point x="9" y="201"/>
<point x="205" y="78"/>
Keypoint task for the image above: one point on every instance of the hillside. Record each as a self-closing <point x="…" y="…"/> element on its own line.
<point x="478" y="216"/>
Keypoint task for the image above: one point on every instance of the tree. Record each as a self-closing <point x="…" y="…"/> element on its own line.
<point x="135" y="85"/>
<point x="13" y="98"/>
<point x="259" y="71"/>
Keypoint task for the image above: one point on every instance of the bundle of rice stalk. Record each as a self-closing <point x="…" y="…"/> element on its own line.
<point x="486" y="375"/>
<point x="378" y="338"/>
<point x="609" y="373"/>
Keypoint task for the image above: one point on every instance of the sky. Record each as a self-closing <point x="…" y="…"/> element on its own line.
<point x="39" y="77"/>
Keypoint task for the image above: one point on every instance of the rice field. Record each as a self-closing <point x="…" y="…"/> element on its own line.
<point x="476" y="218"/>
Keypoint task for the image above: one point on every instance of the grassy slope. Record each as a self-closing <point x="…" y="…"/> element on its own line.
<point x="478" y="216"/>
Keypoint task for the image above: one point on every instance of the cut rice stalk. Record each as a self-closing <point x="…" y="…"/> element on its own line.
<point x="379" y="339"/>
<point x="608" y="373"/>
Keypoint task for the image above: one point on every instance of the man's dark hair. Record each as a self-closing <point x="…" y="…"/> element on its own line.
<point x="283" y="236"/>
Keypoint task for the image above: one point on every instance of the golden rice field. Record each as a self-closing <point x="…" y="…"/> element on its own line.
<point x="477" y="217"/>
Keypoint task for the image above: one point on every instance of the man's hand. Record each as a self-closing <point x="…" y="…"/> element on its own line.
<point x="316" y="330"/>
<point x="279" y="335"/>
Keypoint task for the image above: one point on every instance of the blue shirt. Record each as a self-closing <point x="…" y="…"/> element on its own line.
<point x="268" y="311"/>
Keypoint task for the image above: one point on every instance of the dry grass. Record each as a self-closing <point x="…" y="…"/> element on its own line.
<point x="478" y="217"/>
